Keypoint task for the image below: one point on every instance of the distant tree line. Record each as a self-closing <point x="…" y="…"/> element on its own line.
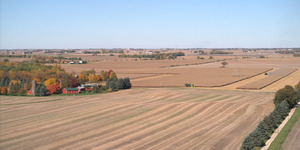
<point x="91" y="52"/>
<point x="113" y="51"/>
<point x="285" y="99"/>
<point x="16" y="56"/>
<point x="220" y="52"/>
<point x="160" y="56"/>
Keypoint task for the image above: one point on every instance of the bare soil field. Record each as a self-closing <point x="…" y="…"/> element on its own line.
<point x="268" y="80"/>
<point x="201" y="77"/>
<point x="140" y="118"/>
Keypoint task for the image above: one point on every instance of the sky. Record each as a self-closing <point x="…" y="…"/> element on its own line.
<point x="33" y="24"/>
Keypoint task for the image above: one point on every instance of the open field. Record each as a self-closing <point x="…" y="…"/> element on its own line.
<point x="177" y="118"/>
<point x="201" y="77"/>
<point x="204" y="73"/>
<point x="272" y="77"/>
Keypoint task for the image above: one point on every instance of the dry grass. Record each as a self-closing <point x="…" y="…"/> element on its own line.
<point x="133" y="119"/>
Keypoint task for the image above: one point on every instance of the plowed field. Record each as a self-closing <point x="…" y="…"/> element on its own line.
<point x="178" y="118"/>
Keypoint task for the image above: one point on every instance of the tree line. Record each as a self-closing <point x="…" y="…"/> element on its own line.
<point x="159" y="56"/>
<point x="285" y="99"/>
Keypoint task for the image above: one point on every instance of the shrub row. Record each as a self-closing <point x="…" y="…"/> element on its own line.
<point x="266" y="127"/>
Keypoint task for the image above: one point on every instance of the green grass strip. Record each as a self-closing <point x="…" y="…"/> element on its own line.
<point x="279" y="140"/>
<point x="32" y="102"/>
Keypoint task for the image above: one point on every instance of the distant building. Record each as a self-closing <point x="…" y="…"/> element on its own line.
<point x="30" y="92"/>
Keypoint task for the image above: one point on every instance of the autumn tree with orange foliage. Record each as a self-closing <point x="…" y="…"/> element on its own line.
<point x="51" y="81"/>
<point x="53" y="88"/>
<point x="4" y="90"/>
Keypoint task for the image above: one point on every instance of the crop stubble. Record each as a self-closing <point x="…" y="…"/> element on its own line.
<point x="135" y="119"/>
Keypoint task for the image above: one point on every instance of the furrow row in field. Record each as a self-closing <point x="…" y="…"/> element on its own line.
<point x="137" y="119"/>
<point x="127" y="128"/>
<point x="59" y="127"/>
<point x="182" y="127"/>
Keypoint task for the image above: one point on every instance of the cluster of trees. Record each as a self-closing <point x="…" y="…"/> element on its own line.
<point x="17" y="77"/>
<point x="113" y="51"/>
<point x="54" y="59"/>
<point x="61" y="57"/>
<point x="90" y="76"/>
<point x="60" y="51"/>
<point x="91" y="52"/>
<point x="289" y="94"/>
<point x="198" y="57"/>
<point x="220" y="52"/>
<point x="160" y="56"/>
<point x="285" y="99"/>
<point x="114" y="84"/>
<point x="200" y="52"/>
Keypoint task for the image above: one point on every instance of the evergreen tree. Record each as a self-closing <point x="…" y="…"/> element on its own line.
<point x="112" y="85"/>
<point x="127" y="83"/>
<point x="121" y="84"/>
<point x="37" y="90"/>
<point x="248" y="143"/>
<point x="298" y="91"/>
<point x="43" y="90"/>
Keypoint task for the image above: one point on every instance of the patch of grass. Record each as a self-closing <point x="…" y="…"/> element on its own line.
<point x="279" y="140"/>
<point x="32" y="102"/>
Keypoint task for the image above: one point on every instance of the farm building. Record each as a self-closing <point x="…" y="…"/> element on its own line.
<point x="30" y="92"/>
<point x="71" y="90"/>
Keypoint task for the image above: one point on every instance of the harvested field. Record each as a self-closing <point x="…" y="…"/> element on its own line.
<point x="201" y="77"/>
<point x="291" y="79"/>
<point x="178" y="118"/>
<point x="269" y="79"/>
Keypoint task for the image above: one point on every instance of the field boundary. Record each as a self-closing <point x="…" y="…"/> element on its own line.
<point x="268" y="83"/>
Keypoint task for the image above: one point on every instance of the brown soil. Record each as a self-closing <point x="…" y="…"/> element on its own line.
<point x="177" y="118"/>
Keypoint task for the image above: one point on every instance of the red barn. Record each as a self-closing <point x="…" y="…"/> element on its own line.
<point x="30" y="92"/>
<point x="71" y="90"/>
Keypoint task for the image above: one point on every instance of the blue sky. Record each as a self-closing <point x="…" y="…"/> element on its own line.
<point x="149" y="24"/>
